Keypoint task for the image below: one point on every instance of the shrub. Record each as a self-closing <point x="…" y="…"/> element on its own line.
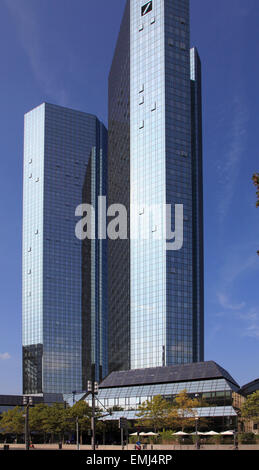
<point x="166" y="437"/>
<point x="214" y="440"/>
<point x="247" y="438"/>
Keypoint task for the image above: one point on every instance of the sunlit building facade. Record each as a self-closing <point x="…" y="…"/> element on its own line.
<point x="58" y="143"/>
<point x="155" y="158"/>
<point x="119" y="193"/>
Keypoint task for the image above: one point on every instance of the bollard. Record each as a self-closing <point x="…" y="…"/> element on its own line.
<point x="60" y="446"/>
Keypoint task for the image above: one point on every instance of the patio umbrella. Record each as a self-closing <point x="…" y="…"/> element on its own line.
<point x="151" y="434"/>
<point x="142" y="434"/>
<point x="134" y="434"/>
<point x="227" y="433"/>
<point x="198" y="433"/>
<point x="180" y="433"/>
<point x="211" y="433"/>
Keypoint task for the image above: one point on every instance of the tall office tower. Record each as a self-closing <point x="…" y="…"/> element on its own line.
<point x="58" y="143"/>
<point x="158" y="320"/>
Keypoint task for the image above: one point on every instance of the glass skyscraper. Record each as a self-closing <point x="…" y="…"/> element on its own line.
<point x="61" y="147"/>
<point x="119" y="193"/>
<point x="155" y="158"/>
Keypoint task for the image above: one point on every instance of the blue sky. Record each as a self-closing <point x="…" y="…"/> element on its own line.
<point x="61" y="52"/>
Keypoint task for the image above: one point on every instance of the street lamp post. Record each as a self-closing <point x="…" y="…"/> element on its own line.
<point x="27" y="402"/>
<point x="196" y="425"/>
<point x="93" y="418"/>
<point x="93" y="388"/>
<point x="123" y="425"/>
<point x="77" y="434"/>
<point x="196" y="432"/>
<point x="236" y="439"/>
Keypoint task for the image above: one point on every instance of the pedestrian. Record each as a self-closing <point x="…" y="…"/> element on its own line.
<point x="138" y="446"/>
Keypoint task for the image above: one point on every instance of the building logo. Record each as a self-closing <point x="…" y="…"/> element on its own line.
<point x="146" y="8"/>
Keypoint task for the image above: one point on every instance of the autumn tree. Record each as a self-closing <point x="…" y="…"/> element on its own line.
<point x="153" y="413"/>
<point x="183" y="411"/>
<point x="250" y="408"/>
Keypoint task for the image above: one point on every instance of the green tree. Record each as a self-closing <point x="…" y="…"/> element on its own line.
<point x="38" y="416"/>
<point x="183" y="411"/>
<point x="83" y="412"/>
<point x="153" y="413"/>
<point x="256" y="184"/>
<point x="54" y="420"/>
<point x="250" y="408"/>
<point x="13" y="421"/>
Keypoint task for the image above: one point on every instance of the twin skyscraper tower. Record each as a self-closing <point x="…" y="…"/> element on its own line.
<point x="97" y="305"/>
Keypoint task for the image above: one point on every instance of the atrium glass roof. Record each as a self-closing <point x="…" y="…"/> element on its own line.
<point x="158" y="375"/>
<point x="166" y="389"/>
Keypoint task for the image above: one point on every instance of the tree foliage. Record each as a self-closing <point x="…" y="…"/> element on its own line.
<point x="183" y="411"/>
<point x="83" y="412"/>
<point x="49" y="420"/>
<point x="250" y="408"/>
<point x="38" y="416"/>
<point x="54" y="420"/>
<point x="159" y="413"/>
<point x="153" y="413"/>
<point x="13" y="421"/>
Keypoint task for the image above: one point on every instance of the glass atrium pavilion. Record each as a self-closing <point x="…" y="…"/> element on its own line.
<point x="206" y="380"/>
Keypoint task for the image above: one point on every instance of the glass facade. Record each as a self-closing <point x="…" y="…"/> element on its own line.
<point x="148" y="185"/>
<point x="57" y="145"/>
<point x="119" y="193"/>
<point x="217" y="393"/>
<point x="8" y="402"/>
<point x="197" y="182"/>
<point x="127" y="397"/>
<point x="94" y="273"/>
<point x="165" y="311"/>
<point x="213" y="387"/>
<point x="226" y="412"/>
